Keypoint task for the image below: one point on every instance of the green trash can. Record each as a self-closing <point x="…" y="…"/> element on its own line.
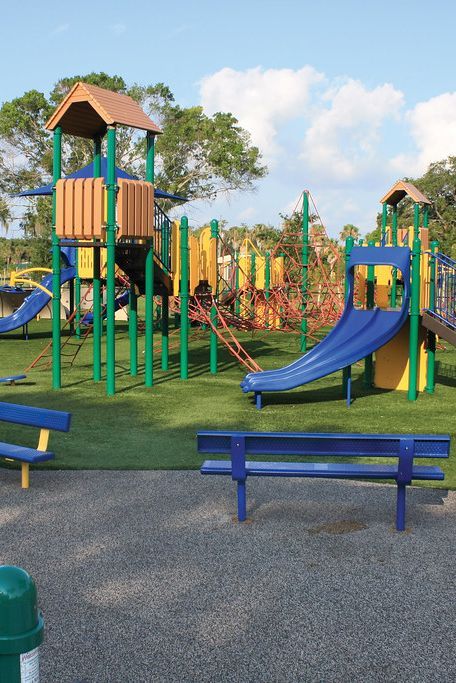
<point x="21" y="627"/>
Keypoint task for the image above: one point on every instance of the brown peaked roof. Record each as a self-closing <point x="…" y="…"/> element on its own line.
<point x="402" y="189"/>
<point x="87" y="110"/>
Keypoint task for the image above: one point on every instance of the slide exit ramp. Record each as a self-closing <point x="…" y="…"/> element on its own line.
<point x="357" y="334"/>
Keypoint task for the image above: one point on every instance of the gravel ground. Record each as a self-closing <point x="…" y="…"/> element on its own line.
<point x="143" y="576"/>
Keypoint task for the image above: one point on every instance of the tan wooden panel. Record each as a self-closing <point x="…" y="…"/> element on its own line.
<point x="88" y="209"/>
<point x="98" y="207"/>
<point x="78" y="230"/>
<point x="60" y="208"/>
<point x="69" y="208"/>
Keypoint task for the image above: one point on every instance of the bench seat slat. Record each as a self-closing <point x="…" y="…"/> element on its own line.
<point x="328" y="470"/>
<point x="23" y="454"/>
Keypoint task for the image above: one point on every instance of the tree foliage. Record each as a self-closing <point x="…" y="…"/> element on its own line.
<point x="438" y="183"/>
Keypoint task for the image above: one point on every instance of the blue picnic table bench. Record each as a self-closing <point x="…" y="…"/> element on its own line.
<point x="404" y="447"/>
<point x="46" y="420"/>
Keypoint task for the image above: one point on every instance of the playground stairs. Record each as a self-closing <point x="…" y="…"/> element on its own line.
<point x="131" y="259"/>
<point x="441" y="319"/>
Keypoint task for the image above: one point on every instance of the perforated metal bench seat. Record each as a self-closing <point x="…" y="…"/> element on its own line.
<point x="319" y="469"/>
<point x="24" y="454"/>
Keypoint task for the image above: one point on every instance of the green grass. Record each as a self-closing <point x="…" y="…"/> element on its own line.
<point x="155" y="428"/>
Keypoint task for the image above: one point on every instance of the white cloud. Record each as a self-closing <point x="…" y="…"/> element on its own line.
<point x="262" y="100"/>
<point x="433" y="129"/>
<point x="117" y="29"/>
<point x="344" y="136"/>
<point x="61" y="28"/>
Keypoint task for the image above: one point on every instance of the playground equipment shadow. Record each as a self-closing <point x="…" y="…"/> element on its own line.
<point x="143" y="576"/>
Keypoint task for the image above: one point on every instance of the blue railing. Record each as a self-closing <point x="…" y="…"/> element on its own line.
<point x="444" y="305"/>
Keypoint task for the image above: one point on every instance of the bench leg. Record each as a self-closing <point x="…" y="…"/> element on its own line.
<point x="241" y="501"/>
<point x="400" y="510"/>
<point x="258" y="403"/>
<point x="25" y="475"/>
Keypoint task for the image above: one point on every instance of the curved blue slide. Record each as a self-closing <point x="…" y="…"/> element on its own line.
<point x="357" y="334"/>
<point x="119" y="303"/>
<point x="34" y="303"/>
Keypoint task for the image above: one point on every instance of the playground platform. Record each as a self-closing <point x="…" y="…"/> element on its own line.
<point x="143" y="576"/>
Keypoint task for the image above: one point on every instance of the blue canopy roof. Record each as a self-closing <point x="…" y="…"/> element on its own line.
<point x="87" y="172"/>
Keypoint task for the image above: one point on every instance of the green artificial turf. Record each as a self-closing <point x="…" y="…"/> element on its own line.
<point x="155" y="428"/>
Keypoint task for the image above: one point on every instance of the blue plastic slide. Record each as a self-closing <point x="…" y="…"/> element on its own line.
<point x="357" y="334"/>
<point x="34" y="303"/>
<point x="119" y="303"/>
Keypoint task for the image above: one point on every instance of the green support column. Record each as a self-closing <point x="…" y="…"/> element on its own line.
<point x="56" y="334"/>
<point x="416" y="221"/>
<point x="165" y="332"/>
<point x="165" y="299"/>
<point x="267" y="285"/>
<point x="393" y="299"/>
<point x="133" y="330"/>
<point x="349" y="242"/>
<point x="252" y="282"/>
<point x="384" y="222"/>
<point x="237" y="301"/>
<point x="430" y="373"/>
<point x="96" y="290"/>
<point x="213" y="339"/>
<point x="414" y="320"/>
<point x="77" y="297"/>
<point x="149" y="276"/>
<point x="305" y="269"/>
<point x="184" y="323"/>
<point x="370" y="300"/>
<point x="111" y="266"/>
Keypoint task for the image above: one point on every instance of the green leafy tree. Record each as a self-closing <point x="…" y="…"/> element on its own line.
<point x="197" y="156"/>
<point x="439" y="185"/>
<point x="349" y="230"/>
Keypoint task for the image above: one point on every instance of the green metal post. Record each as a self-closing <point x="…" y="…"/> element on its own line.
<point x="425" y="216"/>
<point x="111" y="266"/>
<point x="267" y="285"/>
<point x="384" y="222"/>
<point x="133" y="329"/>
<point x="305" y="269"/>
<point x="252" y="283"/>
<point x="393" y="299"/>
<point x="213" y="338"/>
<point x="21" y="626"/>
<point x="165" y="332"/>
<point x="184" y="323"/>
<point x="414" y="320"/>
<point x="149" y="276"/>
<point x="416" y="221"/>
<point x="96" y="290"/>
<point x="430" y="371"/>
<point x="370" y="300"/>
<point x="56" y="333"/>
<point x="237" y="301"/>
<point x="349" y="242"/>
<point x="77" y="297"/>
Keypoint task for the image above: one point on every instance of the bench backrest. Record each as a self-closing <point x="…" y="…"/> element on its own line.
<point x="35" y="417"/>
<point x="326" y="445"/>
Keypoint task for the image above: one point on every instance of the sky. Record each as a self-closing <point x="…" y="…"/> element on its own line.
<point x="342" y="98"/>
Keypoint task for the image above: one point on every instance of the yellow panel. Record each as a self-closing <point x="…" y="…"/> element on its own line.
<point x="204" y="247"/>
<point x="243" y="265"/>
<point x="85" y="262"/>
<point x="175" y="256"/>
<point x="260" y="272"/>
<point x="392" y="362"/>
<point x="194" y="263"/>
<point x="277" y="267"/>
<point x="212" y="264"/>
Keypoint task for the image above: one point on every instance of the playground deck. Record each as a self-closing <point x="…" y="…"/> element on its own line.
<point x="143" y="576"/>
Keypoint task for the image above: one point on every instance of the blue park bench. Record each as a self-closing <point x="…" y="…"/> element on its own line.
<point x="404" y="447"/>
<point x="29" y="416"/>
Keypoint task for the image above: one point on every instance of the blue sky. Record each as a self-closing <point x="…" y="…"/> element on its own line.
<point x="343" y="98"/>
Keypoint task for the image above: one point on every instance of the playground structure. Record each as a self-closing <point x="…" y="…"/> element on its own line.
<point x="111" y="233"/>
<point x="376" y="317"/>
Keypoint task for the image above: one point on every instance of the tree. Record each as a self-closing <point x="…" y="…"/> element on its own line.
<point x="439" y="185"/>
<point x="349" y="230"/>
<point x="197" y="156"/>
